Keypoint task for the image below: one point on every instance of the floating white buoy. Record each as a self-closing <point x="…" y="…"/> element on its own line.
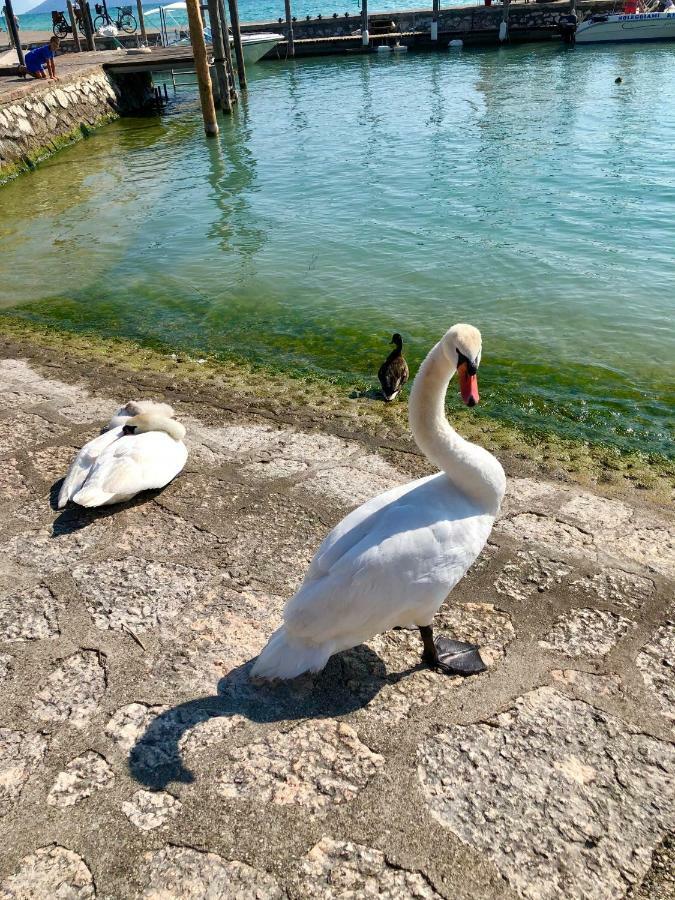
<point x="457" y="44"/>
<point x="399" y="48"/>
<point x="384" y="48"/>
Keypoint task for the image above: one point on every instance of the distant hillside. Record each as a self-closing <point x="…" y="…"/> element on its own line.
<point x="47" y="6"/>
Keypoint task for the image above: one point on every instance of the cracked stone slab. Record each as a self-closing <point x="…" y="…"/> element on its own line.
<point x="52" y="463"/>
<point x="314" y="765"/>
<point x="154" y="738"/>
<point x="181" y="873"/>
<point x="586" y="632"/>
<point x="596" y="514"/>
<point x="29" y="614"/>
<point x="6" y="666"/>
<point x="548" y="533"/>
<point x="622" y="589"/>
<point x="58" y="546"/>
<point x="587" y="685"/>
<point x="83" y="776"/>
<point x="136" y="593"/>
<point x="27" y="429"/>
<point x="148" y="810"/>
<point x="222" y="628"/>
<point x="523" y="493"/>
<point x="13" y="485"/>
<point x="334" y="870"/>
<point x="656" y="662"/>
<point x="393" y="675"/>
<point x="51" y="873"/>
<point x="565" y="799"/>
<point x="148" y="530"/>
<point x="73" y="690"/>
<point x="530" y="573"/>
<point x="21" y="754"/>
<point x="354" y="483"/>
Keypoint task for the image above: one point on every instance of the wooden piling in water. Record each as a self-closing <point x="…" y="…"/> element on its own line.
<point x="86" y="23"/>
<point x="234" y="96"/>
<point x="290" y="43"/>
<point x="504" y="25"/>
<point x="141" y="22"/>
<point x="434" y="20"/>
<point x="219" y="56"/>
<point x="238" y="49"/>
<point x="202" y="67"/>
<point x="365" y="35"/>
<point x="73" y="25"/>
<point x="14" y="31"/>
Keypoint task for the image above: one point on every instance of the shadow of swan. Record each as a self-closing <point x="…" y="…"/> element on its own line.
<point x="348" y="683"/>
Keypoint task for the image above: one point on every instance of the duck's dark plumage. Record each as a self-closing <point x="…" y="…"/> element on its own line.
<point x="393" y="372"/>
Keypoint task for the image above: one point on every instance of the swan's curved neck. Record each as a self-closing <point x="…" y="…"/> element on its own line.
<point x="470" y="468"/>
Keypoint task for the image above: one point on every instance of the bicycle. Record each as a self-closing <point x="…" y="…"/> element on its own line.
<point x="61" y="26"/>
<point x="124" y="21"/>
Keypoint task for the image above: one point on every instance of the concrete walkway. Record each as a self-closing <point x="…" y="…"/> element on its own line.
<point x="137" y="760"/>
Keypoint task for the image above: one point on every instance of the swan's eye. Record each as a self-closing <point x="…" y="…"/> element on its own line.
<point x="471" y="368"/>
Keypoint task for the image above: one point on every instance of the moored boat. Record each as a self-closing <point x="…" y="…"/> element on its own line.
<point x="622" y="27"/>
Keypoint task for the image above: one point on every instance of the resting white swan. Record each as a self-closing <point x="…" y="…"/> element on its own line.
<point x="142" y="449"/>
<point x="392" y="561"/>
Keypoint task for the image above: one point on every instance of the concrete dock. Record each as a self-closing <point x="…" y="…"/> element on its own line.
<point x="138" y="760"/>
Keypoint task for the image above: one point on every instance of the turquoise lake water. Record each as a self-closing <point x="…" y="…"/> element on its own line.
<point x="520" y="190"/>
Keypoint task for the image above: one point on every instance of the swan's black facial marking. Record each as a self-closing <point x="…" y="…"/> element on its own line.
<point x="470" y="367"/>
<point x="128" y="429"/>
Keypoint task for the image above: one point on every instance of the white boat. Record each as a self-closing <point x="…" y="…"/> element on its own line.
<point x="256" y="44"/>
<point x="649" y="26"/>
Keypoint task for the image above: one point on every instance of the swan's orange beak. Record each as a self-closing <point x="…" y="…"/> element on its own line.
<point x="468" y="385"/>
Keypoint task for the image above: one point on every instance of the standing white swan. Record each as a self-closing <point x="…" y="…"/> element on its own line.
<point x="142" y="449"/>
<point x="392" y="561"/>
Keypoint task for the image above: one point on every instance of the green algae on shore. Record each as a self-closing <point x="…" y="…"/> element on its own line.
<point x="354" y="409"/>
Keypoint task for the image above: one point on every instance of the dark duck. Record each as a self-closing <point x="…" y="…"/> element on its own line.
<point x="393" y="372"/>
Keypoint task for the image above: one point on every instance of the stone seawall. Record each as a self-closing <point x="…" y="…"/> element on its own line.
<point x="35" y="124"/>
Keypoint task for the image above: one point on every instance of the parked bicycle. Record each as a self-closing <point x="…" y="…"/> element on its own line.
<point x="124" y="21"/>
<point x="61" y="25"/>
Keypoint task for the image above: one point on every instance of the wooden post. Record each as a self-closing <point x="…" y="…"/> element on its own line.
<point x="73" y="25"/>
<point x="236" y="35"/>
<point x="434" y="20"/>
<point x="141" y="22"/>
<point x="86" y="22"/>
<point x="365" y="36"/>
<point x="234" y="96"/>
<point x="202" y="67"/>
<point x="504" y="26"/>
<point x="290" y="46"/>
<point x="14" y="31"/>
<point x="219" y="56"/>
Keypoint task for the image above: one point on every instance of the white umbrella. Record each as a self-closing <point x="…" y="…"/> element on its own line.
<point x="179" y="5"/>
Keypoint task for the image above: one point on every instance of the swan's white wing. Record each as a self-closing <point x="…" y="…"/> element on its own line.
<point x="83" y="463"/>
<point x="390" y="562"/>
<point x="134" y="463"/>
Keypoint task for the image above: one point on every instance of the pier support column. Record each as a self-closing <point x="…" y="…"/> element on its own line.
<point x="504" y="25"/>
<point x="14" y="31"/>
<point x="219" y="56"/>
<point x="234" y="96"/>
<point x="73" y="25"/>
<point x="290" y="41"/>
<point x="202" y="67"/>
<point x="141" y="22"/>
<point x="434" y="20"/>
<point x="365" y="36"/>
<point x="86" y="24"/>
<point x="238" y="49"/>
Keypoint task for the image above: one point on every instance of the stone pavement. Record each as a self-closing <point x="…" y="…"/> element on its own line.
<point x="137" y="760"/>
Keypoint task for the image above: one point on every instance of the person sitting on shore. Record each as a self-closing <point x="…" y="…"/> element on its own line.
<point x="39" y="57"/>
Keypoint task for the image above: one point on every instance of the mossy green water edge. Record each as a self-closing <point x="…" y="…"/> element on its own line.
<point x="354" y="404"/>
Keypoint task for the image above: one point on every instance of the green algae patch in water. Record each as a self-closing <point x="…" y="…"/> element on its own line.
<point x="354" y="409"/>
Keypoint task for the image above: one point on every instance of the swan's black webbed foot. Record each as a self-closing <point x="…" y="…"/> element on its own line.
<point x="449" y="656"/>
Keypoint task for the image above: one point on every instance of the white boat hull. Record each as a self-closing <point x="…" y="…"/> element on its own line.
<point x="256" y="45"/>
<point x="623" y="28"/>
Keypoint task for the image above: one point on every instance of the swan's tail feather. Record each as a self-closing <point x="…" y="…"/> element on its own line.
<point x="285" y="658"/>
